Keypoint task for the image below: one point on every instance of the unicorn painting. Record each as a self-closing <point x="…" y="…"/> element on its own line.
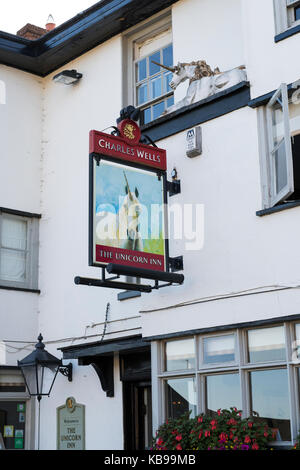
<point x="121" y="229"/>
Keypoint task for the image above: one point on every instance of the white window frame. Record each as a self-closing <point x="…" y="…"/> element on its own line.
<point x="283" y="12"/>
<point x="242" y="367"/>
<point x="32" y="251"/>
<point x="157" y="25"/>
<point x="270" y="197"/>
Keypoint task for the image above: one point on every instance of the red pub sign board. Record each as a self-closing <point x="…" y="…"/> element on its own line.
<point x="127" y="200"/>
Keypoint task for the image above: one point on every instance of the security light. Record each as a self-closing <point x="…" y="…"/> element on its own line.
<point x="67" y="77"/>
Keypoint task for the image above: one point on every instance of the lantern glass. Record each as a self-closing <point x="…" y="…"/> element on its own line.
<point x="39" y="379"/>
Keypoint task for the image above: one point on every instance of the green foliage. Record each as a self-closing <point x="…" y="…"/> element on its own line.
<point x="226" y="431"/>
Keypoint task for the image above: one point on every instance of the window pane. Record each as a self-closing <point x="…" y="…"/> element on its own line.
<point x="280" y="167"/>
<point x="12" y="265"/>
<point x="158" y="109"/>
<point x="170" y="101"/>
<point x="14" y="233"/>
<point x="153" y="68"/>
<point x="155" y="87"/>
<point x="270" y="399"/>
<point x="222" y="392"/>
<point x="181" y="397"/>
<point x="277" y="124"/>
<point x="297" y="13"/>
<point x="219" y="349"/>
<point x="180" y="355"/>
<point x="266" y="344"/>
<point x="142" y="93"/>
<point x="142" y="70"/>
<point x="146" y="115"/>
<point x="297" y="328"/>
<point x="168" y="56"/>
<point x="167" y="81"/>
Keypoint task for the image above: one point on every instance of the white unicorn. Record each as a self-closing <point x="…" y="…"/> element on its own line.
<point x="203" y="81"/>
<point x="121" y="230"/>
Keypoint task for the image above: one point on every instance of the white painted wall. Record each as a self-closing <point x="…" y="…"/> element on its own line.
<point x="209" y="30"/>
<point x="268" y="63"/>
<point x="20" y="155"/>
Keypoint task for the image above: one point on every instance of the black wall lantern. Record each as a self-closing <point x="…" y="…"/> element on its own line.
<point x="40" y="369"/>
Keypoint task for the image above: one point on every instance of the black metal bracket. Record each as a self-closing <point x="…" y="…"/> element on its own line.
<point x="67" y="371"/>
<point x="176" y="264"/>
<point x="169" y="278"/>
<point x="104" y="368"/>
<point x="173" y="187"/>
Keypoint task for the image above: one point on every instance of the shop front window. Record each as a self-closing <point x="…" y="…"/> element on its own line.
<point x="267" y="344"/>
<point x="222" y="392"/>
<point x="181" y="397"/>
<point x="180" y="355"/>
<point x="219" y="349"/>
<point x="270" y="400"/>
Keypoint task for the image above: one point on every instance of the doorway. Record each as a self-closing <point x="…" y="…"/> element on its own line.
<point x="137" y="416"/>
<point x="137" y="400"/>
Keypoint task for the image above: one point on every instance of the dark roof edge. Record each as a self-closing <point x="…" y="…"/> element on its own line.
<point x="76" y="36"/>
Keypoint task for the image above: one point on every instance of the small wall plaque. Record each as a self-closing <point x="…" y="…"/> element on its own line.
<point x="71" y="426"/>
<point x="194" y="142"/>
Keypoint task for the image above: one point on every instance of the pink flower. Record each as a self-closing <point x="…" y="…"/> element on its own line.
<point x="250" y="424"/>
<point x="159" y="442"/>
<point x="255" y="446"/>
<point x="266" y="434"/>
<point x="200" y="419"/>
<point x="178" y="447"/>
<point x="223" y="437"/>
<point x="247" y="440"/>
<point x="219" y="412"/>
<point x="178" y="438"/>
<point x="207" y="433"/>
<point x="200" y="435"/>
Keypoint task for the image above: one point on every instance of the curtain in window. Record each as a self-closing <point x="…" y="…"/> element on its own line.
<point x="13" y="249"/>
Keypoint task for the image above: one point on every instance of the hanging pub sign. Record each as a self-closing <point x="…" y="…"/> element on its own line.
<point x="127" y="200"/>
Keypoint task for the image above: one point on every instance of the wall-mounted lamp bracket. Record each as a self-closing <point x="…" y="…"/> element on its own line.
<point x="67" y="371"/>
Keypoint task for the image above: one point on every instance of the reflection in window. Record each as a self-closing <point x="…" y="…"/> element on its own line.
<point x="180" y="355"/>
<point x="267" y="344"/>
<point x="181" y="397"/>
<point x="222" y="392"/>
<point x="270" y="399"/>
<point x="219" y="349"/>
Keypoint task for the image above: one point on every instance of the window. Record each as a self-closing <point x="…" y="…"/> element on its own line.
<point x="180" y="355"/>
<point x="267" y="344"/>
<point x="287" y="14"/>
<point x="280" y="148"/>
<point x="18" y="251"/>
<point x="181" y="397"/>
<point x="148" y="83"/>
<point x="222" y="392"/>
<point x="255" y="370"/>
<point x="270" y="400"/>
<point x="219" y="349"/>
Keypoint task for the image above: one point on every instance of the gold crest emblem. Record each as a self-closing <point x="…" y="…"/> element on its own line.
<point x="129" y="131"/>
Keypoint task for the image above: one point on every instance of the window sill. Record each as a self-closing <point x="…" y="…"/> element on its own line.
<point x="281" y="207"/>
<point x="288" y="33"/>
<point x="20" y="289"/>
